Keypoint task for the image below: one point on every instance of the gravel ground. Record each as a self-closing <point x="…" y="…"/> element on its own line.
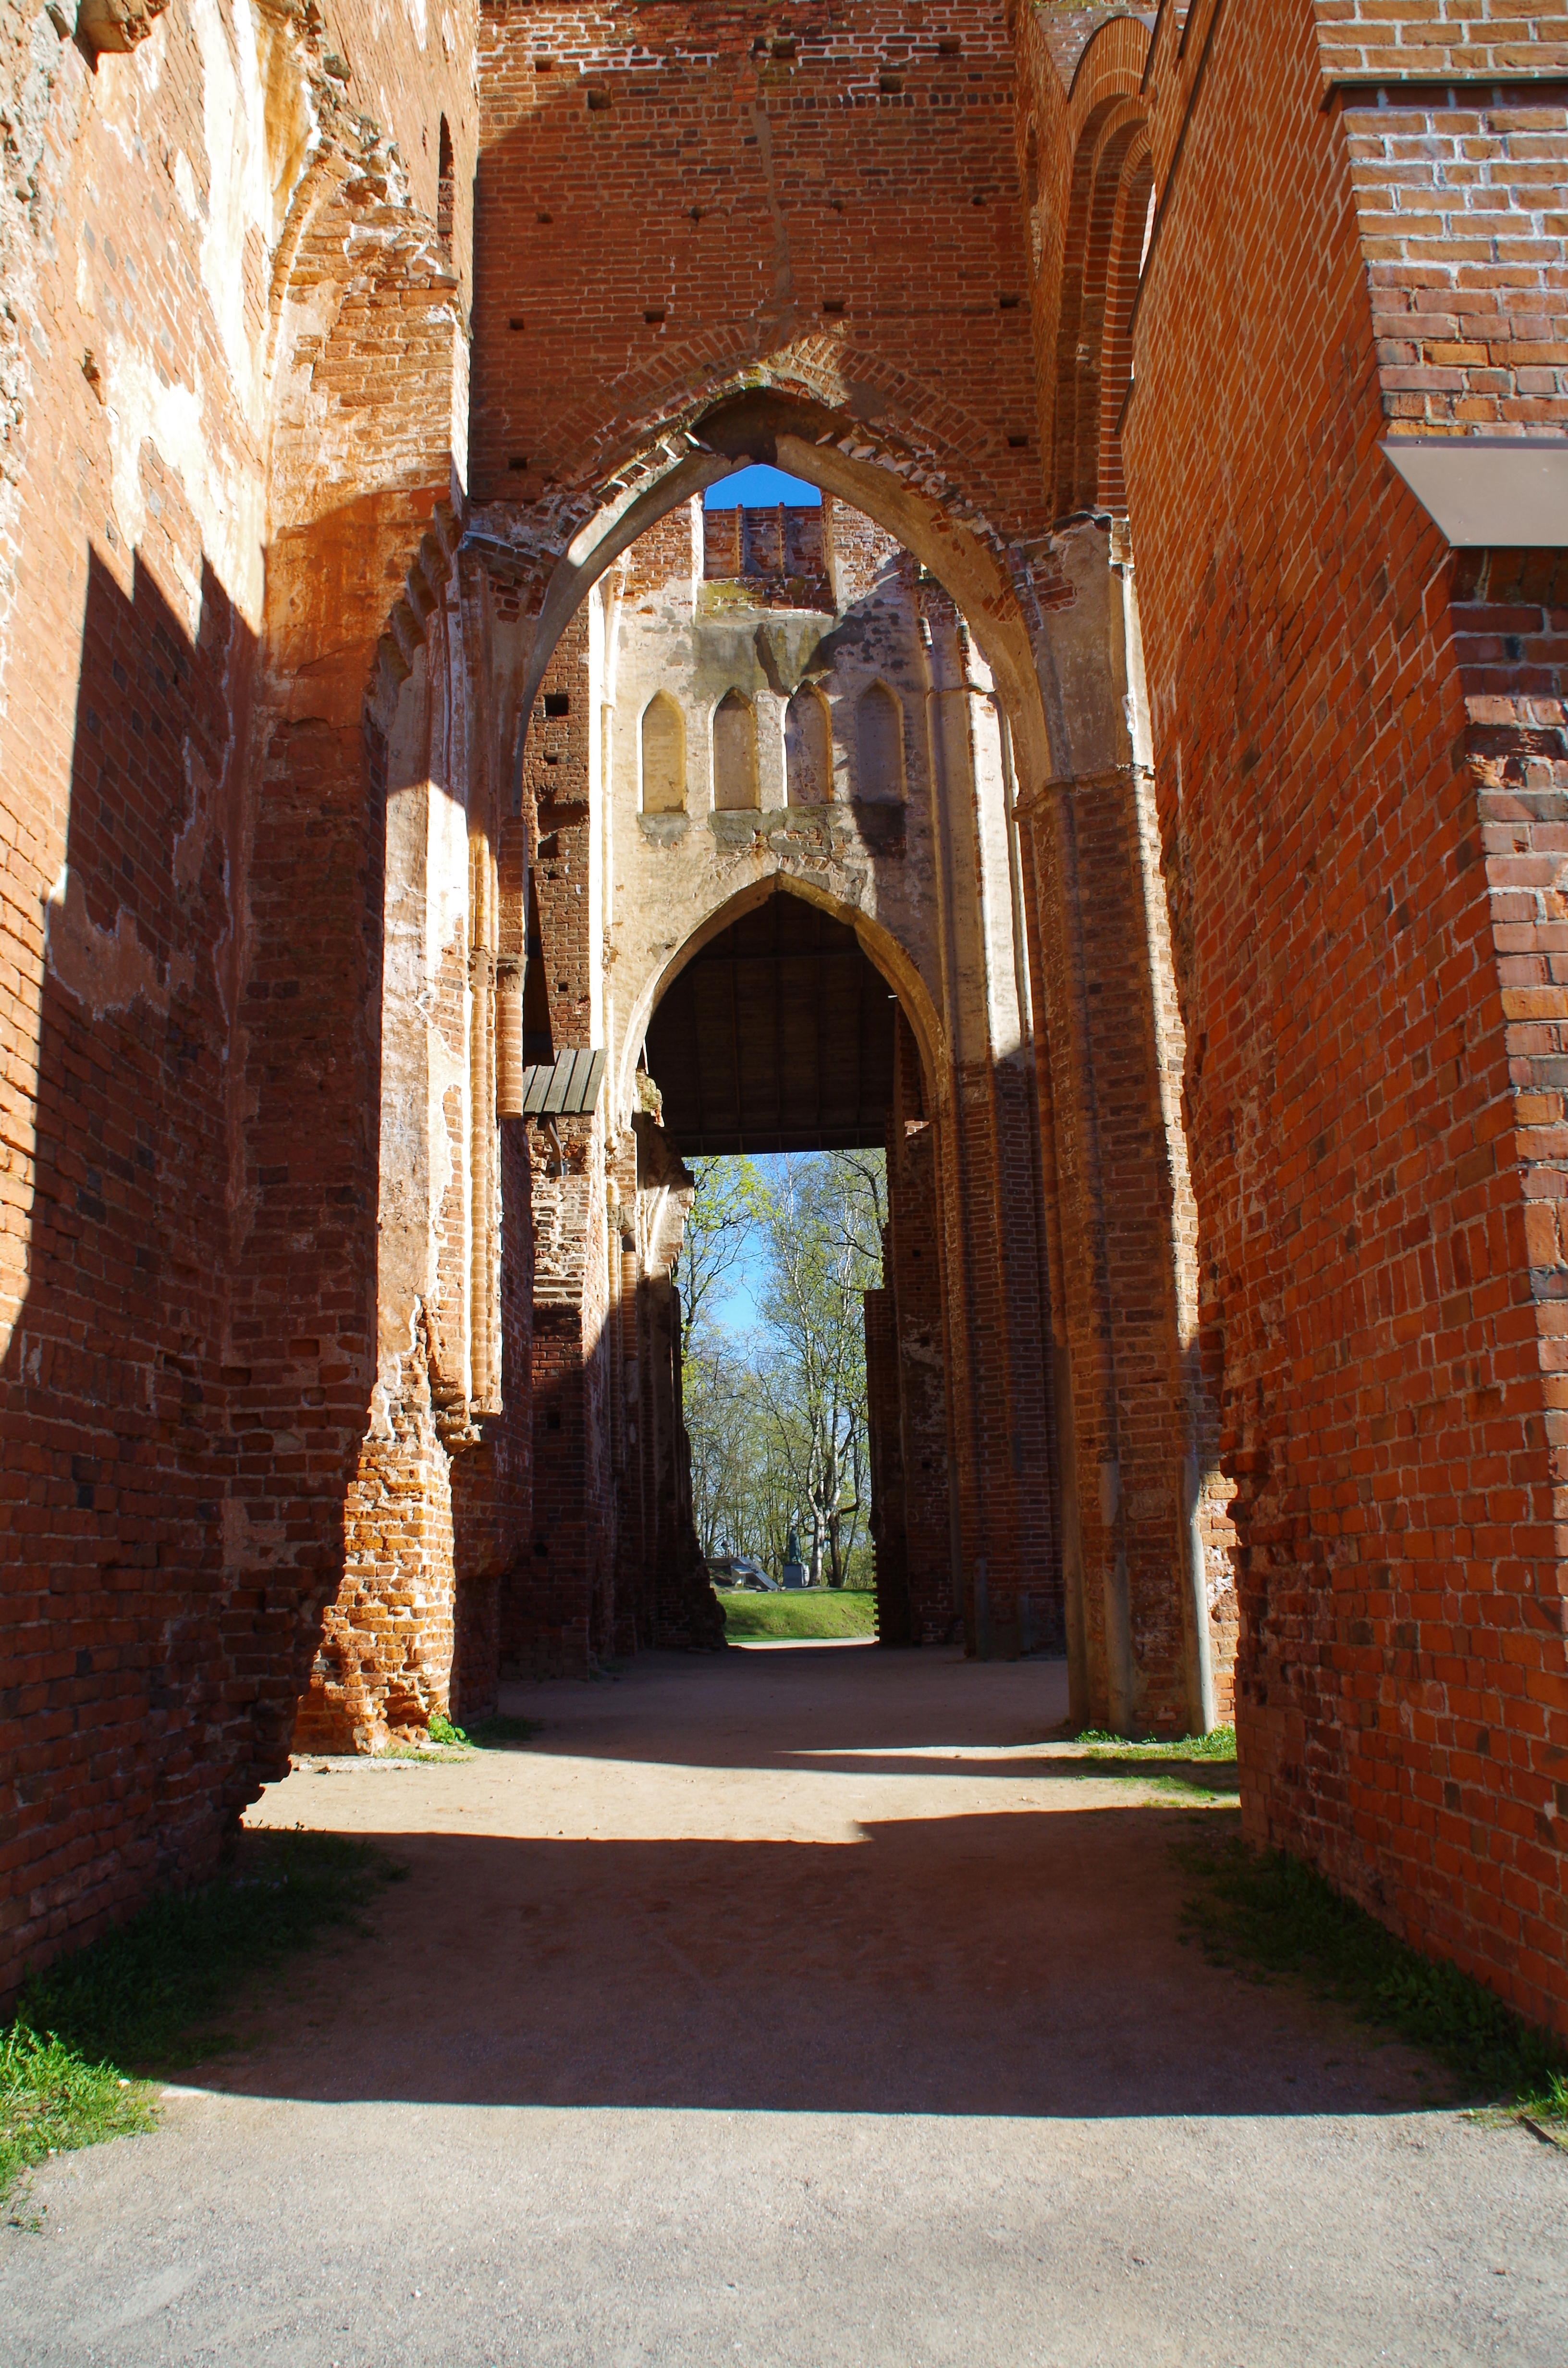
<point x="802" y="2008"/>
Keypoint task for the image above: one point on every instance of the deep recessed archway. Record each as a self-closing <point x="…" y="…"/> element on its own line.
<point x="778" y="1035"/>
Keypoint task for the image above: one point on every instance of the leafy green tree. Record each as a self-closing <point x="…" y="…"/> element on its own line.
<point x="777" y="1419"/>
<point x="822" y="1216"/>
<point x="719" y="1223"/>
<point x="721" y="1405"/>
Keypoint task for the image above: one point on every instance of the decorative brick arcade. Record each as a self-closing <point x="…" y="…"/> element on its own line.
<point x="386" y="728"/>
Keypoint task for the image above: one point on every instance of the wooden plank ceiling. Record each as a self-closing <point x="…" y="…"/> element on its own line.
<point x="778" y="1036"/>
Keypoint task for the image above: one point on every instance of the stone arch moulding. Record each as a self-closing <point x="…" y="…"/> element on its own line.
<point x="880" y="948"/>
<point x="918" y="495"/>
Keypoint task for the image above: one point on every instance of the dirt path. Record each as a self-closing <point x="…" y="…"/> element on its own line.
<point x="801" y="2007"/>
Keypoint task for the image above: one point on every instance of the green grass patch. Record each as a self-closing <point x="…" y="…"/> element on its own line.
<point x="800" y="1612"/>
<point x="1219" y="1744"/>
<point x="52" y="2101"/>
<point x="1189" y="1766"/>
<point x="147" y="1997"/>
<point x="1272" y="1916"/>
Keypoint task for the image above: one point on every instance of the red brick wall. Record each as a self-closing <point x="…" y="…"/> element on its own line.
<point x="735" y="192"/>
<point x="1426" y="39"/>
<point x="914" y="1267"/>
<point x="550" y="1625"/>
<point x="492" y="1534"/>
<point x="665" y="554"/>
<point x="556" y="778"/>
<point x="188" y="1085"/>
<point x="1360" y="1044"/>
<point x="1459" y="193"/>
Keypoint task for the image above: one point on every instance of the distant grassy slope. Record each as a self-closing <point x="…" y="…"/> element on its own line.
<point x="848" y="1612"/>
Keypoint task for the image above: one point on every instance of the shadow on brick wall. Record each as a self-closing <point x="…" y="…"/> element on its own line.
<point x="118" y="1689"/>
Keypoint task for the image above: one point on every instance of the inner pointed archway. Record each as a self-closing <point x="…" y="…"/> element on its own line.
<point x="908" y="492"/>
<point x="777" y="1036"/>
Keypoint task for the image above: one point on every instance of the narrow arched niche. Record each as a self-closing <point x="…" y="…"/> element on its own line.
<point x="663" y="757"/>
<point x="446" y="189"/>
<point x="808" y="749"/>
<point x="879" y="744"/>
<point x="734" y="755"/>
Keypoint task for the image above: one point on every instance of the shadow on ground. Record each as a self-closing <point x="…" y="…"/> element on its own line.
<point x="808" y="1881"/>
<point x="1003" y="1965"/>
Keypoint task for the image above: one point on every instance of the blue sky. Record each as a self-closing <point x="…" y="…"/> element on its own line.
<point x="740" y="1310"/>
<point x="758" y="488"/>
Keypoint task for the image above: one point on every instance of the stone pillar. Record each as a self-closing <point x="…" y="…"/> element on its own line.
<point x="914" y="1270"/>
<point x="384" y="1658"/>
<point x="681" y="1610"/>
<point x="1121" y="1225"/>
<point x="560" y="1615"/>
<point x="986" y="1157"/>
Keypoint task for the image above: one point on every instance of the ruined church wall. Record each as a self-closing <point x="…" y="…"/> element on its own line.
<point x="673" y="874"/>
<point x="1357" y="794"/>
<point x="493" y="1486"/>
<point x="158" y="1432"/>
<point x="917" y="1419"/>
<point x="789" y="175"/>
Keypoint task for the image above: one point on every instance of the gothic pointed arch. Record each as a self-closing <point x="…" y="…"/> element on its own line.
<point x="1108" y="206"/>
<point x="885" y="951"/>
<point x="808" y="749"/>
<point x="663" y="756"/>
<point x="879" y="746"/>
<point x="734" y="755"/>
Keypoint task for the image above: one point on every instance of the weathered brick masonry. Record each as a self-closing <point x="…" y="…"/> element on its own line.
<point x="350" y="528"/>
<point x="191" y="917"/>
<point x="1358" y="749"/>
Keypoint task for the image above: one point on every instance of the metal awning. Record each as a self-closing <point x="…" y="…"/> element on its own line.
<point x="567" y="1086"/>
